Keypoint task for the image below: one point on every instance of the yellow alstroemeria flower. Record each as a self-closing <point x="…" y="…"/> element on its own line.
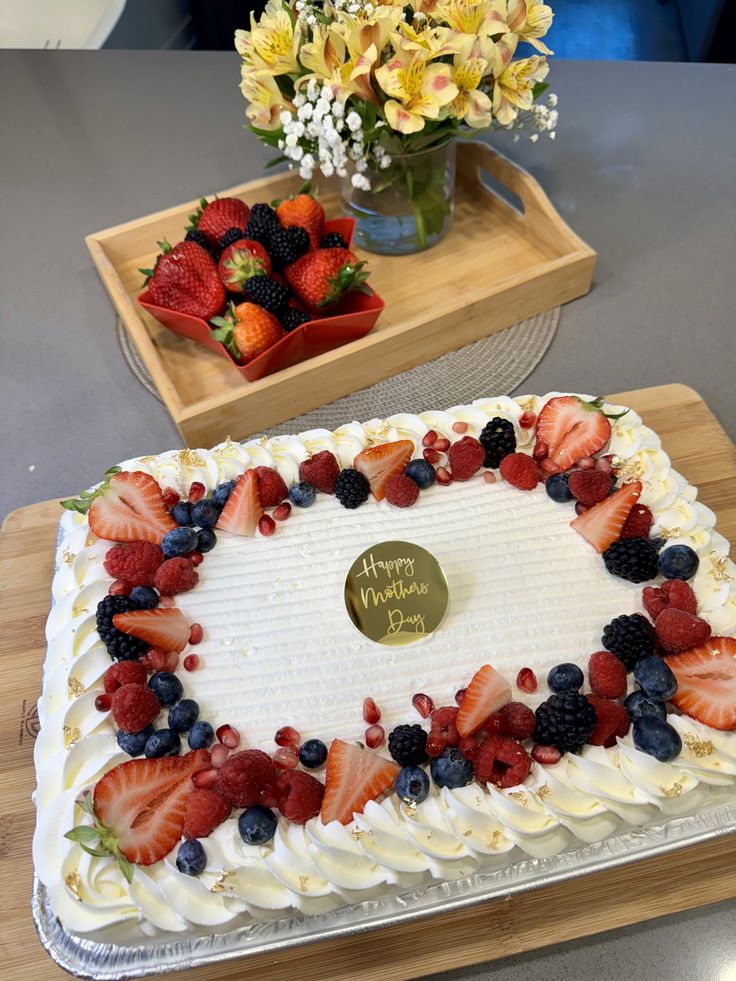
<point x="530" y="19"/>
<point x="329" y="61"/>
<point x="362" y="32"/>
<point x="470" y="104"/>
<point x="433" y="41"/>
<point x="264" y="97"/>
<point x="272" y="43"/>
<point x="417" y="90"/>
<point x="480" y="17"/>
<point x="514" y="87"/>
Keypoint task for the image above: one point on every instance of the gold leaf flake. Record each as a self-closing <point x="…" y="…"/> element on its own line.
<point x="90" y="540"/>
<point x="303" y="882"/>
<point x="628" y="470"/>
<point x="190" y="458"/>
<point x="71" y="736"/>
<point x="380" y="433"/>
<point x="698" y="747"/>
<point x="528" y="405"/>
<point x="357" y="834"/>
<point x="674" y="791"/>
<point x="496" y="840"/>
<point x="521" y="798"/>
<point x="718" y="567"/>
<point x="669" y="532"/>
<point x="429" y="835"/>
<point x="74" y="884"/>
<point x="75" y="686"/>
<point x="478" y="802"/>
<point x="77" y="611"/>
<point x="67" y="557"/>
<point x="467" y="833"/>
<point x="411" y="808"/>
<point x="220" y="884"/>
<point x="147" y="459"/>
<point x="543" y="791"/>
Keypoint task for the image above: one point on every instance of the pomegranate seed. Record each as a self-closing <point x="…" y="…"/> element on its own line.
<point x="170" y="497"/>
<point x="287" y="736"/>
<point x="490" y="478"/>
<point x="282" y="512"/>
<point x="266" y="525"/>
<point x="540" y="451"/>
<point x="103" y="702"/>
<point x="286" y="758"/>
<point x="204" y="779"/>
<point x="374" y="736"/>
<point x="581" y="508"/>
<point x="460" y="428"/>
<point x="587" y="463"/>
<point x="196" y="492"/>
<point x="444" y="476"/>
<point x="430" y="437"/>
<point x="196" y="558"/>
<point x="431" y="456"/>
<point x="371" y="712"/>
<point x="435" y="743"/>
<point x="548" y="466"/>
<point x="527" y="420"/>
<point x="546" y="754"/>
<point x="119" y="588"/>
<point x="166" y="602"/>
<point x="604" y="464"/>
<point x="191" y="662"/>
<point x="526" y="680"/>
<point x="195" y="633"/>
<point x="218" y="754"/>
<point x="460" y="695"/>
<point x="423" y="704"/>
<point x="157" y="660"/>
<point x="442" y="445"/>
<point x="228" y="736"/>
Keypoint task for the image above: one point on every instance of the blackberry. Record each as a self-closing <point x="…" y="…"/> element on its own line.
<point x="262" y="223"/>
<point x="194" y="235"/>
<point x="290" y="318"/>
<point x="267" y="293"/>
<point x="634" y="559"/>
<point x="231" y="235"/>
<point x="630" y="638"/>
<point x="120" y="646"/>
<point x="408" y="745"/>
<point x="287" y="244"/>
<point x="333" y="240"/>
<point x="498" y="440"/>
<point x="351" y="488"/>
<point x="565" y="721"/>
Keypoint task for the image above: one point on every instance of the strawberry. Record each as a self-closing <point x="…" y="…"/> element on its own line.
<point x="135" y="562"/>
<point x="185" y="279"/>
<point x="354" y="776"/>
<point x="166" y="629"/>
<point x="573" y="429"/>
<point x="638" y="523"/>
<point x="486" y="693"/>
<point x="217" y="217"/>
<point x="321" y="470"/>
<point x="205" y="809"/>
<point x="590" y="486"/>
<point x="241" y="261"/>
<point x="247" y="330"/>
<point x="601" y="525"/>
<point x="519" y="470"/>
<point x="271" y="487"/>
<point x="243" y="510"/>
<point x="378" y="463"/>
<point x="679" y="631"/>
<point x="706" y="682"/>
<point x="319" y="279"/>
<point x="130" y="508"/>
<point x="673" y="594"/>
<point x="466" y="458"/>
<point x="306" y="212"/>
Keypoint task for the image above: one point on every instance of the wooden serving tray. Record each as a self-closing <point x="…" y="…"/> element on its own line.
<point x="680" y="880"/>
<point x="497" y="266"/>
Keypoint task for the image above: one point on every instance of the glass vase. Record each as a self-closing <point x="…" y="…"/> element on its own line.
<point x="409" y="205"/>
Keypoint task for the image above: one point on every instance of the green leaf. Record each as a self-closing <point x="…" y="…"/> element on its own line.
<point x="83" y="832"/>
<point x="96" y="852"/>
<point x="73" y="504"/>
<point x="125" y="867"/>
<point x="539" y="89"/>
<point x="275" y="161"/>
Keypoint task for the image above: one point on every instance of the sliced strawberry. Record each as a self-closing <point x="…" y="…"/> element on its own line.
<point x="486" y="693"/>
<point x="354" y="776"/>
<point x="706" y="682"/>
<point x="243" y="510"/>
<point x="142" y="804"/>
<point x="166" y="628"/>
<point x="601" y="525"/>
<point x="130" y="508"/>
<point x="572" y="429"/>
<point x="379" y="463"/>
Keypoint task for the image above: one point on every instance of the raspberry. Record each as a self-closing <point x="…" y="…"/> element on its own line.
<point x="548" y="755"/>
<point x="607" y="675"/>
<point x="674" y="594"/>
<point x="519" y="470"/>
<point x="518" y="720"/>
<point x="321" y="470"/>
<point x="300" y="796"/>
<point x="612" y="720"/>
<point x="589" y="486"/>
<point x="638" y="523"/>
<point x="679" y="631"/>
<point x="401" y="491"/>
<point x="466" y="458"/>
<point x="176" y="576"/>
<point x="124" y="673"/>
<point x="135" y="562"/>
<point x="247" y="778"/>
<point x="133" y="707"/>
<point x="271" y="487"/>
<point x="157" y="660"/>
<point x="502" y="761"/>
<point x="468" y="746"/>
<point x="205" y="810"/>
<point x="526" y="680"/>
<point x="444" y="724"/>
<point x="493" y="726"/>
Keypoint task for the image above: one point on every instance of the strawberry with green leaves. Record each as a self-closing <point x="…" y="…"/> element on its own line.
<point x="185" y="279"/>
<point x="127" y="507"/>
<point x="242" y="261"/>
<point x="320" y="279"/>
<point x="304" y="211"/>
<point x="573" y="428"/>
<point x="247" y="330"/>
<point x="215" y="218"/>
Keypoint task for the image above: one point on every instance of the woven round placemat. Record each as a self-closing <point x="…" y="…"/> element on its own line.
<point x="494" y="365"/>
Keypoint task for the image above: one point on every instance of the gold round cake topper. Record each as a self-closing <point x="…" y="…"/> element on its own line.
<point x="396" y="593"/>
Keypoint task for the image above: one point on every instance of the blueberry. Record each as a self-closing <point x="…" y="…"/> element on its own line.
<point x="205" y="513"/>
<point x="302" y="494"/>
<point x="179" y="541"/>
<point x="638" y="704"/>
<point x="422" y="473"/>
<point x="565" y="677"/>
<point x="182" y="513"/>
<point x="166" y="687"/>
<point x="557" y="488"/>
<point x="678" y="562"/>
<point x="313" y="754"/>
<point x="412" y="785"/>
<point x="206" y="540"/>
<point x="257" y="825"/>
<point x="145" y="597"/>
<point x="163" y="742"/>
<point x="222" y="492"/>
<point x="183" y="715"/>
<point x="451" y="769"/>
<point x="133" y="743"/>
<point x="201" y="736"/>
<point x="655" y="678"/>
<point x="656" y="738"/>
<point x="191" y="859"/>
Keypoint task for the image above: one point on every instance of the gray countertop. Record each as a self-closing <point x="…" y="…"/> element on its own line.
<point x="644" y="168"/>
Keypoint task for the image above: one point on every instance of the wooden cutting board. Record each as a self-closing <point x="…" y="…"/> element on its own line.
<point x="691" y="877"/>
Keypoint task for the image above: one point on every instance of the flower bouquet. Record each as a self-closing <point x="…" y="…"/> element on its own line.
<point x="376" y="93"/>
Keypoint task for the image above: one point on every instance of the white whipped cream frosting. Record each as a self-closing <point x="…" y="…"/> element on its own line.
<point x="525" y="590"/>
